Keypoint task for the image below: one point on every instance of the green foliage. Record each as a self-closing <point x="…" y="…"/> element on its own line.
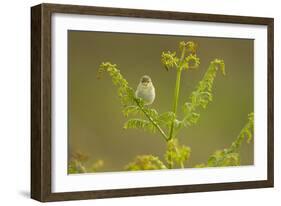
<point x="164" y="120"/>
<point x="189" y="46"/>
<point x="191" y="62"/>
<point x="188" y="59"/>
<point x="176" y="154"/>
<point x="203" y="93"/>
<point x="153" y="121"/>
<point x="246" y="132"/>
<point x="77" y="162"/>
<point x="131" y="110"/>
<point x="132" y="104"/>
<point x="140" y="124"/>
<point x="140" y="109"/>
<point x="146" y="162"/>
<point x="231" y="156"/>
<point x="202" y="96"/>
<point x="76" y="167"/>
<point x="149" y="119"/>
<point x="125" y="92"/>
<point x="169" y="60"/>
<point x="224" y="158"/>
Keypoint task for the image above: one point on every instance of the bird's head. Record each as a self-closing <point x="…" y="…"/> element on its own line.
<point x="145" y="81"/>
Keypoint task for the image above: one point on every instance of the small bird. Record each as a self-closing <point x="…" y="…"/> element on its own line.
<point x="146" y="90"/>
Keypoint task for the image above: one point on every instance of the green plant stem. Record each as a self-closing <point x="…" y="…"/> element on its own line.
<point x="176" y="94"/>
<point x="176" y="99"/>
<point x="152" y="121"/>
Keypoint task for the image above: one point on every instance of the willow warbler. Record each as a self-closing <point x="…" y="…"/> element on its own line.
<point x="146" y="90"/>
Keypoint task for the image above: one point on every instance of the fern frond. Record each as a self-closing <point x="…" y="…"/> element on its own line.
<point x="188" y="59"/>
<point x="246" y="132"/>
<point x="169" y="60"/>
<point x="140" y="110"/>
<point x="125" y="93"/>
<point x="163" y="120"/>
<point x="224" y="158"/>
<point x="231" y="156"/>
<point x="176" y="154"/>
<point x="146" y="162"/>
<point x="189" y="46"/>
<point x="166" y="119"/>
<point x="140" y="124"/>
<point x="76" y="167"/>
<point x="151" y="112"/>
<point x="131" y="104"/>
<point x="202" y="95"/>
<point x="190" y="62"/>
<point x="131" y="110"/>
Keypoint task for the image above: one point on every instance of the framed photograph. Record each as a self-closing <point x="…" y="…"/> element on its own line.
<point x="132" y="102"/>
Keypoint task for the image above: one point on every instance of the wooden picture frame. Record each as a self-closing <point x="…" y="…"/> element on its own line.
<point x="41" y="98"/>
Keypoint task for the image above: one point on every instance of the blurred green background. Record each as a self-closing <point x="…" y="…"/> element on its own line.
<point x="95" y="121"/>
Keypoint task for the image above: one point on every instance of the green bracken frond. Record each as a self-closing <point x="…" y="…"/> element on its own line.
<point x="166" y="119"/>
<point x="139" y="110"/>
<point x="151" y="112"/>
<point x="131" y="110"/>
<point x="140" y="124"/>
<point x="176" y="154"/>
<point x="76" y="162"/>
<point x="188" y="46"/>
<point x="125" y="93"/>
<point x="231" y="156"/>
<point x="190" y="62"/>
<point x="246" y="132"/>
<point x="224" y="158"/>
<point x="75" y="167"/>
<point x="146" y="162"/>
<point x="163" y="119"/>
<point x="169" y="60"/>
<point x="132" y="105"/>
<point x="202" y="95"/>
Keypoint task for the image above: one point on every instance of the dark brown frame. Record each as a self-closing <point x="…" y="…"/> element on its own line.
<point x="41" y="101"/>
